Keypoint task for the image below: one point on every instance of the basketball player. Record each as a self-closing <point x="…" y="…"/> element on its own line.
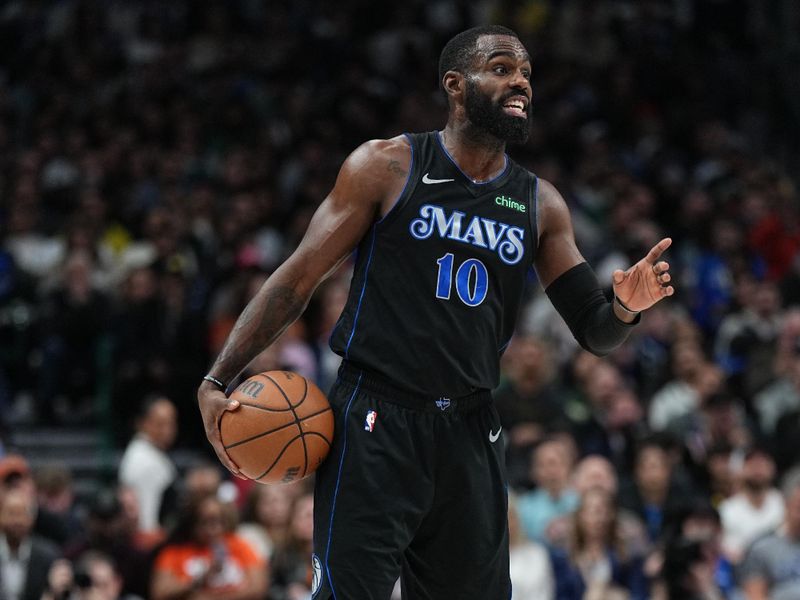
<point x="446" y="227"/>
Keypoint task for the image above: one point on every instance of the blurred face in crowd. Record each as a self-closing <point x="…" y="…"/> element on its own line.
<point x="302" y="526"/>
<point x="758" y="472"/>
<point x="653" y="469"/>
<point x="210" y="524"/>
<point x="160" y="424"/>
<point x="106" y="583"/>
<point x="595" y="515"/>
<point x="687" y="357"/>
<point x="17" y="515"/>
<point x="274" y="505"/>
<point x="595" y="472"/>
<point x="551" y="465"/>
<point x="202" y="481"/>
<point x="603" y="383"/>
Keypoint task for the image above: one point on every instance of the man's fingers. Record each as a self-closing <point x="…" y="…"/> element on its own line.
<point x="216" y="441"/>
<point x="660" y="267"/>
<point x="618" y="276"/>
<point x="213" y="406"/>
<point x="658" y="250"/>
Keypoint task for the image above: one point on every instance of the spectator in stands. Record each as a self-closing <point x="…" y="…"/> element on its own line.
<point x="551" y="463"/>
<point x="782" y="395"/>
<point x="201" y="559"/>
<point x="745" y="343"/>
<point x="719" y="479"/>
<point x="265" y="519"/>
<point x="770" y="567"/>
<point x="718" y="422"/>
<point x="653" y="493"/>
<point x="692" y="564"/>
<point x="596" y="563"/>
<point x="75" y="323"/>
<point x="292" y="569"/>
<point x="755" y="510"/>
<point x="57" y="496"/>
<point x="694" y="379"/>
<point x="529" y="562"/>
<point x="15" y="474"/>
<point x="528" y="402"/>
<point x="25" y="558"/>
<point x="106" y="531"/>
<point x="146" y="468"/>
<point x="129" y="503"/>
<point x="95" y="577"/>
<point x="613" y="421"/>
<point x="596" y="472"/>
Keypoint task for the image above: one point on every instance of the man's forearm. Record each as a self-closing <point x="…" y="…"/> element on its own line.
<point x="265" y="318"/>
<point x="591" y="318"/>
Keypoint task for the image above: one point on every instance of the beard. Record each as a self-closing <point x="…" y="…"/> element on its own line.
<point x="492" y="119"/>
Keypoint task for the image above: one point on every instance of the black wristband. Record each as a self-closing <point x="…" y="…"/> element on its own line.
<point x="217" y="382"/>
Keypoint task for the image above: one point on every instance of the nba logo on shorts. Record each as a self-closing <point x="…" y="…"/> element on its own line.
<point x="369" y="422"/>
<point x="316" y="577"/>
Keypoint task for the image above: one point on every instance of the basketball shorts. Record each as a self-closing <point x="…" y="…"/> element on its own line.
<point x="414" y="488"/>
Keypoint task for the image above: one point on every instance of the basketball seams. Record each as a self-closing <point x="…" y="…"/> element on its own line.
<point x="284" y="426"/>
<point x="296" y="418"/>
<point x="278" y="458"/>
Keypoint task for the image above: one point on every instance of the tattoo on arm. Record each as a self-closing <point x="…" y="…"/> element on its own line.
<point x="394" y="167"/>
<point x="263" y="320"/>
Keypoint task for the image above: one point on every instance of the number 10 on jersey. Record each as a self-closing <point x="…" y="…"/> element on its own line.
<point x="472" y="280"/>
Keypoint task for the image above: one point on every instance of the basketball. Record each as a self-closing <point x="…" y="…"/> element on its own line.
<point x="282" y="430"/>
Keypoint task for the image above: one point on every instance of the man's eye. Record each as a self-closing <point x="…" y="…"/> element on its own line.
<point x="500" y="69"/>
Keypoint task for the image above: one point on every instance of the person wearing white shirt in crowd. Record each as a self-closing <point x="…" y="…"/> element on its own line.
<point x="755" y="510"/>
<point x="529" y="562"/>
<point x="146" y="467"/>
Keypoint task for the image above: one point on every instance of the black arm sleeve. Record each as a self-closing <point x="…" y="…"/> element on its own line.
<point x="580" y="301"/>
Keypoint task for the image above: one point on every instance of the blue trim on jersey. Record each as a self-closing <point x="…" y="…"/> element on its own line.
<point x="453" y="160"/>
<point x="338" y="481"/>
<point x="405" y="185"/>
<point x="361" y="297"/>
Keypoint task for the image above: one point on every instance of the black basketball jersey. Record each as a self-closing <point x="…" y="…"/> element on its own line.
<point x="438" y="281"/>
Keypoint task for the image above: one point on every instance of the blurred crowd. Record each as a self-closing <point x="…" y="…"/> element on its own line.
<point x="158" y="160"/>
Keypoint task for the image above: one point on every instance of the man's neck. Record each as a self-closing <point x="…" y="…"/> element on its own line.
<point x="480" y="155"/>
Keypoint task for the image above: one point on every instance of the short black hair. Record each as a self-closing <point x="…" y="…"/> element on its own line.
<point x="458" y="53"/>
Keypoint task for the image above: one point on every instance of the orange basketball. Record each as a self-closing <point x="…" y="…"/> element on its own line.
<point x="282" y="430"/>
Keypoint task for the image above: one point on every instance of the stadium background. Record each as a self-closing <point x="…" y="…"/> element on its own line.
<point x="158" y="160"/>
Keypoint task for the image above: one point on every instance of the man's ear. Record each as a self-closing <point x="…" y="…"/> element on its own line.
<point x="453" y="83"/>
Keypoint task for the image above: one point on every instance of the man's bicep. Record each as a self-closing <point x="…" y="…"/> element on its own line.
<point x="556" y="252"/>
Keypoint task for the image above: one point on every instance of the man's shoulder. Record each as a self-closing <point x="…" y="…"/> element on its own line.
<point x="386" y="147"/>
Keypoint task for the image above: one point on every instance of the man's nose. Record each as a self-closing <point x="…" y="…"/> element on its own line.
<point x="519" y="81"/>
